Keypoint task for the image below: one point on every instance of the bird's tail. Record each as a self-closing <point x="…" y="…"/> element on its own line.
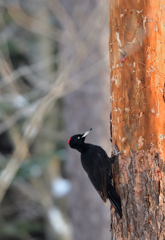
<point x="114" y="199"/>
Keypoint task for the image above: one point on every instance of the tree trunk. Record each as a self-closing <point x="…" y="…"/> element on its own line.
<point x="85" y="108"/>
<point x="138" y="117"/>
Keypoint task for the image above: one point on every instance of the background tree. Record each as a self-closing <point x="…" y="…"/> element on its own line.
<point x="138" y="117"/>
<point x="88" y="107"/>
<point x="49" y="52"/>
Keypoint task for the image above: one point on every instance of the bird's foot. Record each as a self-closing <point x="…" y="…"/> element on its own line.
<point x="115" y="150"/>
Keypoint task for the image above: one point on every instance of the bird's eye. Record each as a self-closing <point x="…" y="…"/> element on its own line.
<point x="78" y="137"/>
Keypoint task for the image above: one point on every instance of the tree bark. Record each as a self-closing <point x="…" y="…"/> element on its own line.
<point x="138" y="117"/>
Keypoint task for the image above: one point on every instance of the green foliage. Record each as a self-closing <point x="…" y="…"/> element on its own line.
<point x="19" y="228"/>
<point x="34" y="166"/>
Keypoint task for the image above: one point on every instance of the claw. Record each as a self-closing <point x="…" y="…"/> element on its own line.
<point x="116" y="153"/>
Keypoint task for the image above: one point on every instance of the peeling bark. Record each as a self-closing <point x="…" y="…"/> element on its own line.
<point x="137" y="49"/>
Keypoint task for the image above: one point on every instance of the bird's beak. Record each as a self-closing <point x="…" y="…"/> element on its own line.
<point x="86" y="133"/>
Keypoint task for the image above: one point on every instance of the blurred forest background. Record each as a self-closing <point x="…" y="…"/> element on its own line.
<point x="54" y="83"/>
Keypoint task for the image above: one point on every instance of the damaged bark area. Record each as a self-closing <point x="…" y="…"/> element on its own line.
<point x="137" y="64"/>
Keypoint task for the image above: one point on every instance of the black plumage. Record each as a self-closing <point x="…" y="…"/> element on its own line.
<point x="97" y="165"/>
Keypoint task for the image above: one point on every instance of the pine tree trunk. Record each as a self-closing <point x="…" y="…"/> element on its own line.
<point x="138" y="116"/>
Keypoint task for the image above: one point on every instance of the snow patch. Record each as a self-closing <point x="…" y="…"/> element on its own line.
<point x="118" y="39"/>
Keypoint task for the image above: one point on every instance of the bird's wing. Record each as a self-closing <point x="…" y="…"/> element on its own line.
<point x="98" y="178"/>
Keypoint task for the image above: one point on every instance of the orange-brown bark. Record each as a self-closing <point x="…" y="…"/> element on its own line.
<point x="137" y="28"/>
<point x="138" y="116"/>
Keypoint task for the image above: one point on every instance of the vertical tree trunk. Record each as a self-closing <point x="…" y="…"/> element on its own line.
<point x="138" y="116"/>
<point x="87" y="107"/>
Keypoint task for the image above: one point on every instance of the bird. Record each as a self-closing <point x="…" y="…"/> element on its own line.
<point x="97" y="165"/>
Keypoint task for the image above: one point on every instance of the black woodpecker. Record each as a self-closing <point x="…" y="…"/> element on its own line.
<point x="97" y="165"/>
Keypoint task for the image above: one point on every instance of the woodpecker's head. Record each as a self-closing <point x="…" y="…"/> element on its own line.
<point x="77" y="141"/>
